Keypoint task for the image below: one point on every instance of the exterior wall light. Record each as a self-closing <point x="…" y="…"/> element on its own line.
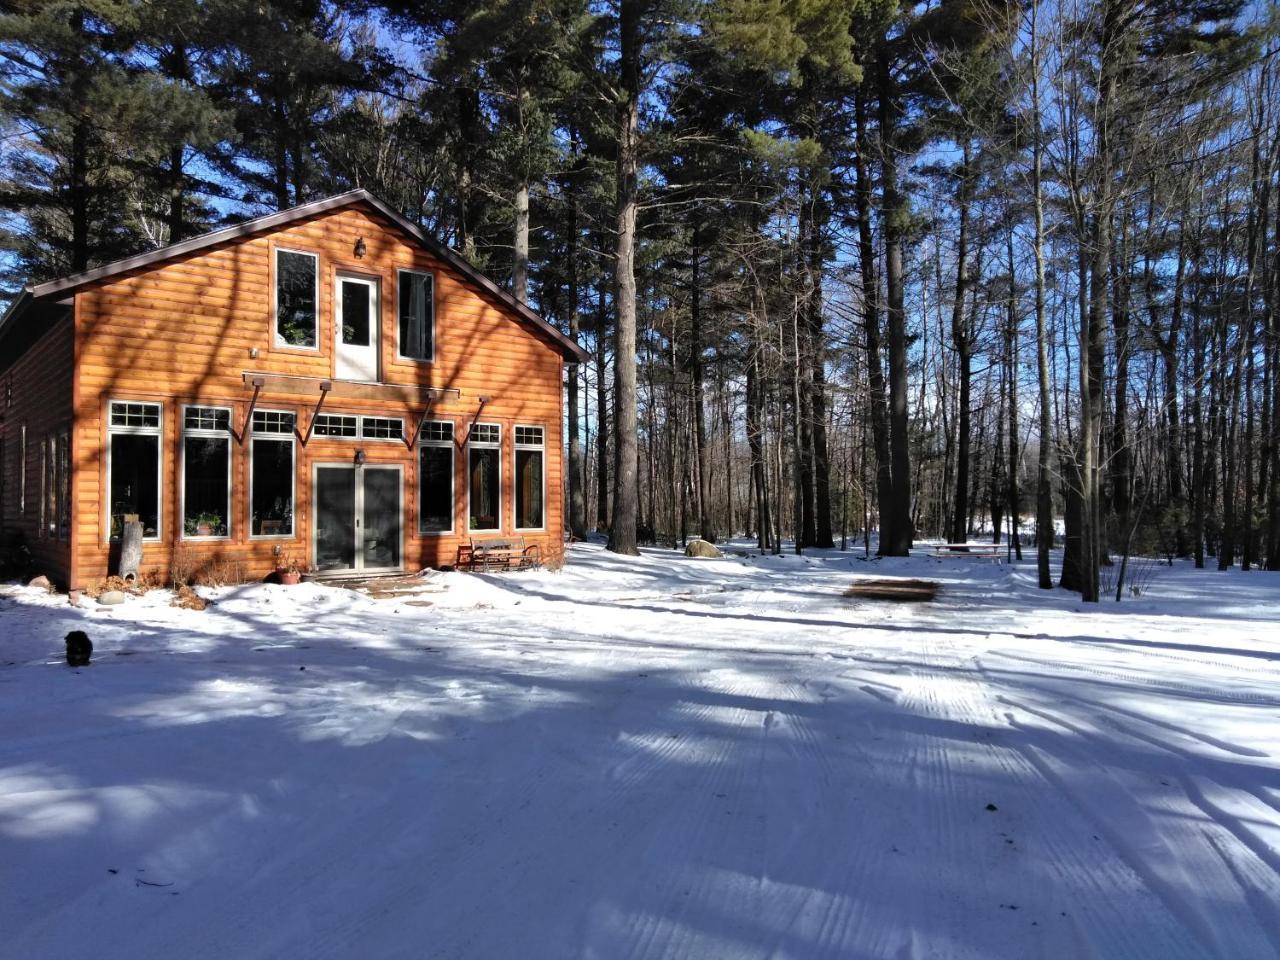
<point x="360" y="457"/>
<point x="360" y="248"/>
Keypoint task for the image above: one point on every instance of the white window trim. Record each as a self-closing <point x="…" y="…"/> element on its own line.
<point x="225" y="436"/>
<point x="276" y="340"/>
<point x="541" y="448"/>
<point x="484" y="445"/>
<point x="292" y="439"/>
<point x="157" y="432"/>
<point x="400" y="355"/>
<point x="453" y="480"/>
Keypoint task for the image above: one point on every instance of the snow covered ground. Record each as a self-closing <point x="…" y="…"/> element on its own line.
<point x="648" y="758"/>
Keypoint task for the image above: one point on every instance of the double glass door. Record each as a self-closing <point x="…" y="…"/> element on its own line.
<point x="358" y="517"/>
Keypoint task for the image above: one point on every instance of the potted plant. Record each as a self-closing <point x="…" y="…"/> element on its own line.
<point x="205" y="525"/>
<point x="288" y="571"/>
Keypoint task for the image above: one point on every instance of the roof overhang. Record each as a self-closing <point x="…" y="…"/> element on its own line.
<point x="65" y="287"/>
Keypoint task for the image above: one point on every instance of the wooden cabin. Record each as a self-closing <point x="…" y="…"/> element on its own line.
<point x="327" y="385"/>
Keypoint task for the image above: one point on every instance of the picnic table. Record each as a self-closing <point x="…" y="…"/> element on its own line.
<point x="498" y="553"/>
<point x="971" y="551"/>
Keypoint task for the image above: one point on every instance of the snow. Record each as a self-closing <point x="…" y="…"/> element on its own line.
<point x="648" y="757"/>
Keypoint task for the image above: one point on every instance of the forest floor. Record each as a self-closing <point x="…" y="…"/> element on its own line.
<point x="643" y="758"/>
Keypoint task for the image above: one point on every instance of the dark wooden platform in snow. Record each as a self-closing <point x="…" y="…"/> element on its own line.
<point x="920" y="591"/>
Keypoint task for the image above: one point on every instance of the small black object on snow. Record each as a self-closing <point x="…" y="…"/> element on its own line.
<point x="79" y="648"/>
<point x="992" y="806"/>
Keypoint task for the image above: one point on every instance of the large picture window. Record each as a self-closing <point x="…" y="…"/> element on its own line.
<point x="271" y="475"/>
<point x="417" y="315"/>
<point x="435" y="478"/>
<point x="297" y="299"/>
<point x="530" y="489"/>
<point x="133" y="491"/>
<point x="206" y="472"/>
<point x="484" y="477"/>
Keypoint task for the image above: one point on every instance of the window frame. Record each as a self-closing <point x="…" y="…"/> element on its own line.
<point x="400" y="354"/>
<point x="484" y="445"/>
<point x="125" y="430"/>
<point x="364" y="437"/>
<point x="316" y="428"/>
<point x="541" y="448"/>
<point x="450" y="444"/>
<point x="207" y="434"/>
<point x="277" y="343"/>
<point x="292" y="437"/>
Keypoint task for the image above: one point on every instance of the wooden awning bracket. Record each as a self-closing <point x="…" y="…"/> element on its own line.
<point x="472" y="424"/>
<point x="325" y="387"/>
<point x="248" y="417"/>
<point x="422" y="422"/>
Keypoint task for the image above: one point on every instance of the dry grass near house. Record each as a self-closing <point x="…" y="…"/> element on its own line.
<point x="223" y="572"/>
<point x="144" y="582"/>
<point x="188" y="599"/>
<point x="906" y="591"/>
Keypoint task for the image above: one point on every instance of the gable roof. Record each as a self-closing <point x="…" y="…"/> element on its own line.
<point x="65" y="286"/>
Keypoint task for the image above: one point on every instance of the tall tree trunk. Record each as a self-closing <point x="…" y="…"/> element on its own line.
<point x="1011" y="375"/>
<point x="1121" y="456"/>
<point x="815" y="264"/>
<point x="520" y="245"/>
<point x="878" y="403"/>
<point x="80" y="196"/>
<point x="962" y="340"/>
<point x="603" y="419"/>
<point x="1044" y="488"/>
<point x="577" y="476"/>
<point x="622" y="533"/>
<point x="1093" y="336"/>
<point x="705" y="524"/>
<point x="895" y="216"/>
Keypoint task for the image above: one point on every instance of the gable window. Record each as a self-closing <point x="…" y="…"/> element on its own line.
<point x="417" y="315"/>
<point x="133" y="454"/>
<point x="484" y="476"/>
<point x="206" y="472"/>
<point x="271" y="474"/>
<point x="435" y="478"/>
<point x="529" y="480"/>
<point x="297" y="299"/>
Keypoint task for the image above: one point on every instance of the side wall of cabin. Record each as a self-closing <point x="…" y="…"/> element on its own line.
<point x="36" y="459"/>
<point x="187" y="332"/>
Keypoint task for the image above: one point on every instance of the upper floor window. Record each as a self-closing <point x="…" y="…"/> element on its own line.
<point x="417" y="315"/>
<point x="297" y="299"/>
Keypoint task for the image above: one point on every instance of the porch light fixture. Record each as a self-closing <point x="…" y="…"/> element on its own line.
<point x="360" y="248"/>
<point x="360" y="457"/>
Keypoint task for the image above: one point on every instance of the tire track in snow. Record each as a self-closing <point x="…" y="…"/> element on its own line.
<point x="1172" y="857"/>
<point x="1093" y="883"/>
